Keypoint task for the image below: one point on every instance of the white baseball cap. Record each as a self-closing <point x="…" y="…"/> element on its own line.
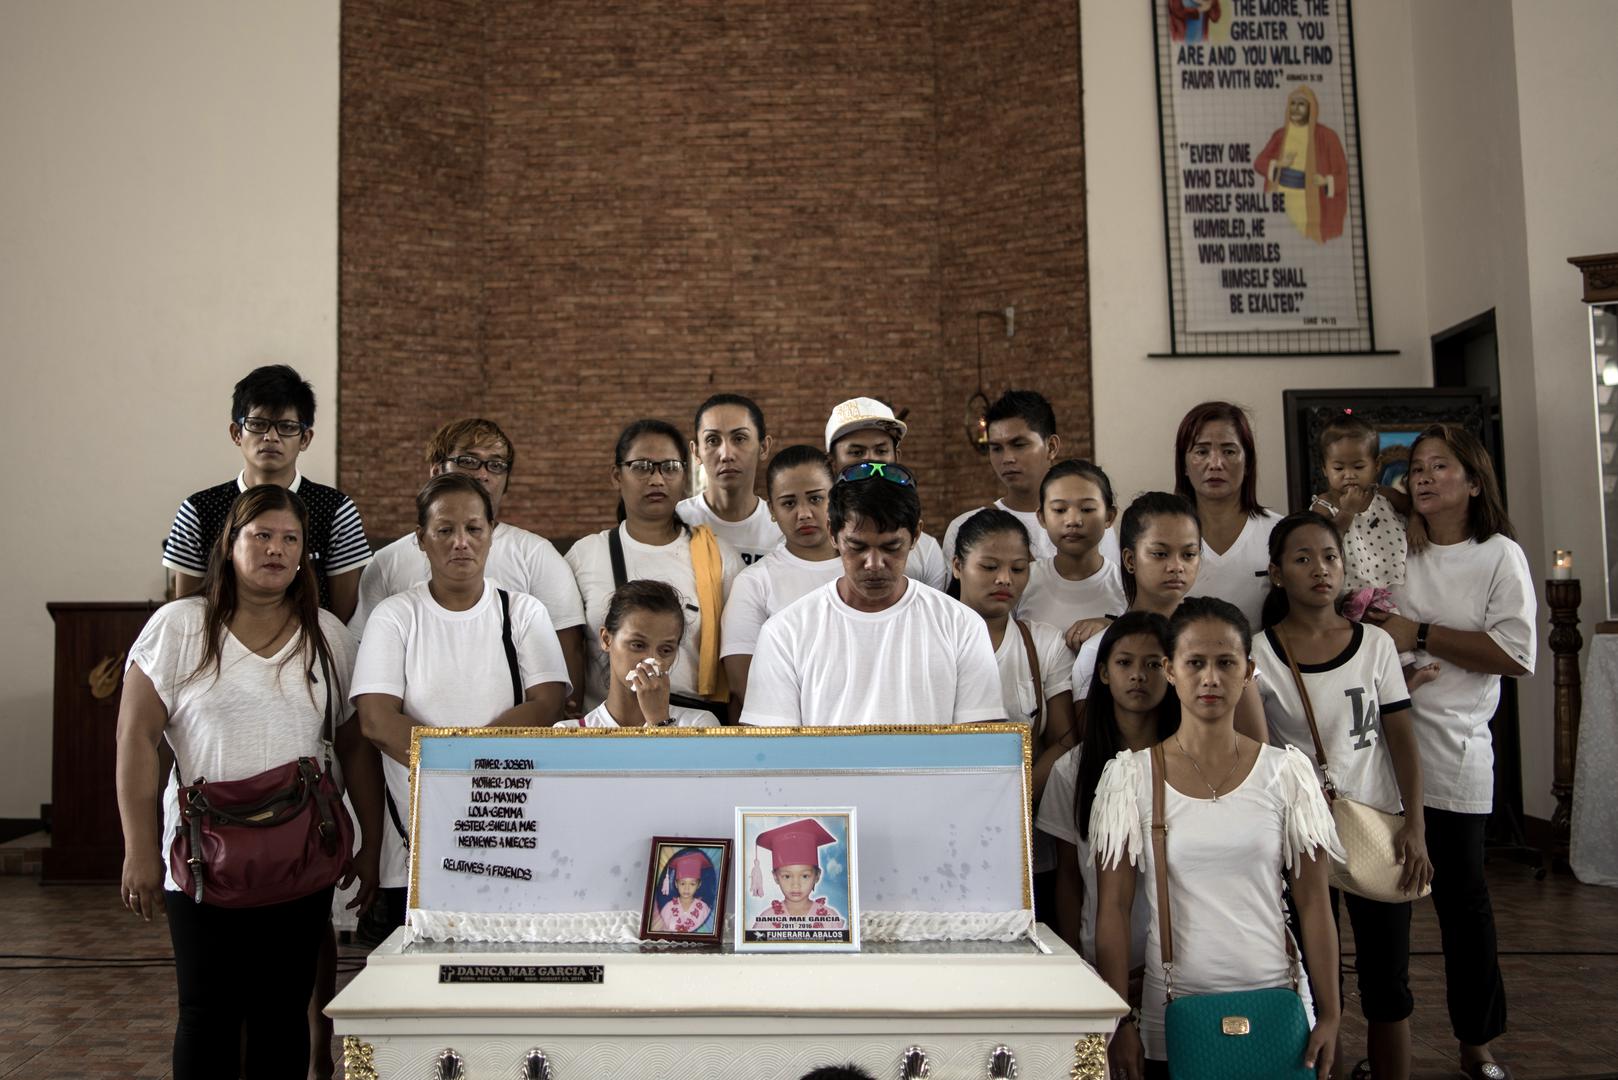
<point x="859" y="413"/>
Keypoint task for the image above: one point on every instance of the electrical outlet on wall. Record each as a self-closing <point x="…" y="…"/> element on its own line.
<point x="1011" y="320"/>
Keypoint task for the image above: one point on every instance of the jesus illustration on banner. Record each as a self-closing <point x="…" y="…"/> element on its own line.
<point x="1304" y="161"/>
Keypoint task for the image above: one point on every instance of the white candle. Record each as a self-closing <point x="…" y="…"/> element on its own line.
<point x="1562" y="565"/>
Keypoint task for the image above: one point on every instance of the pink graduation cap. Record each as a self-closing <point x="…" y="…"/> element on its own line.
<point x="691" y="864"/>
<point x="796" y="843"/>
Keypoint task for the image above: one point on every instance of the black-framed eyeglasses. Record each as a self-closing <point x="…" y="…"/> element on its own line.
<point x="891" y="471"/>
<point x="470" y="464"/>
<point x="645" y="467"/>
<point x="261" y="425"/>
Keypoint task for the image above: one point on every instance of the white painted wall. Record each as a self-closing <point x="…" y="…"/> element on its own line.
<point x="168" y="220"/>
<point x="1138" y="401"/>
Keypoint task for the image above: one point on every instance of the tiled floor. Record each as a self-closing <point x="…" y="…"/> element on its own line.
<point x="1559" y="940"/>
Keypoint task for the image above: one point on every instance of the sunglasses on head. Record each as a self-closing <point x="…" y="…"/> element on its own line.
<point x="892" y="472"/>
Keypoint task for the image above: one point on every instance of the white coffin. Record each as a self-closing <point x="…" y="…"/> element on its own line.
<point x="715" y="1015"/>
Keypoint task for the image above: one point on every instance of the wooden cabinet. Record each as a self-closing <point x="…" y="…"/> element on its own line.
<point x="92" y="643"/>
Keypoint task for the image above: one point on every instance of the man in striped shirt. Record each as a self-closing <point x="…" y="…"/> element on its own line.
<point x="272" y="417"/>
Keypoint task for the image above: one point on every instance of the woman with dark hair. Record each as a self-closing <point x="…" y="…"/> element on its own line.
<point x="641" y="636"/>
<point x="1239" y="817"/>
<point x="798" y="482"/>
<point x="650" y="542"/>
<point x="455" y="650"/>
<point x="1129" y="708"/>
<point x="1361" y="707"/>
<point x="1078" y="588"/>
<point x="1216" y="467"/>
<point x="1468" y="603"/>
<point x="1160" y="557"/>
<point x="991" y="563"/>
<point x="238" y="680"/>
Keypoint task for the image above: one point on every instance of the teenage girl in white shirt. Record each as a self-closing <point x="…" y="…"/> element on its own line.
<point x="1160" y="558"/>
<point x="1362" y="708"/>
<point x="1467" y="601"/>
<point x="1129" y="708"/>
<point x="1079" y="588"/>
<point x="991" y="563"/>
<point x="798" y="483"/>
<point x="641" y="637"/>
<point x="1237" y="813"/>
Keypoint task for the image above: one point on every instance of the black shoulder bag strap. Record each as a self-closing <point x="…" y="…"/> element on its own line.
<point x="516" y="695"/>
<point x="510" y="646"/>
<point x="615" y="548"/>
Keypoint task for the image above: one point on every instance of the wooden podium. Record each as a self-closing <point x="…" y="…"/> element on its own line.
<point x="92" y="643"/>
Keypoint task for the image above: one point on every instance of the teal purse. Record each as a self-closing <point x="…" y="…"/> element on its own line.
<point x="1251" y="1034"/>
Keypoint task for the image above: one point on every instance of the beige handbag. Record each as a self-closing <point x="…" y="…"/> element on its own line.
<point x="1372" y="869"/>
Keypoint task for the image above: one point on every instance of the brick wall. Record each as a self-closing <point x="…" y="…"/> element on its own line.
<point x="570" y="215"/>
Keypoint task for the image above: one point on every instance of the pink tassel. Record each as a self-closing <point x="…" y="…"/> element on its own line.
<point x="758" y="876"/>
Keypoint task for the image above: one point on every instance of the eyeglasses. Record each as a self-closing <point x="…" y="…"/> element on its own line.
<point x="261" y="425"/>
<point x="645" y="467"/>
<point x="468" y="463"/>
<point x="890" y="471"/>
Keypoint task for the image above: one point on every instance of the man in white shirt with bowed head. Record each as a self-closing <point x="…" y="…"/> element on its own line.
<point x="873" y="646"/>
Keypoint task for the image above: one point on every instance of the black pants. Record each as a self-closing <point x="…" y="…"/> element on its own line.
<point x="1473" y="988"/>
<point x="1381" y="954"/>
<point x="245" y="969"/>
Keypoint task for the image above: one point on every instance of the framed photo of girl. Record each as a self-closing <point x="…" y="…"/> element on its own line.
<point x="686" y="882"/>
<point x="802" y="892"/>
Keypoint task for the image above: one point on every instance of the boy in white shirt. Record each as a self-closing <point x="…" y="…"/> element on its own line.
<point x="731" y="444"/>
<point x="871" y="647"/>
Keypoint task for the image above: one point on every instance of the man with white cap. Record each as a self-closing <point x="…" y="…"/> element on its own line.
<point x="864" y="429"/>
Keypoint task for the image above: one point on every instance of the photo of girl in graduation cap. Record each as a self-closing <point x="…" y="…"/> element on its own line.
<point x="685" y="889"/>
<point x="800" y="892"/>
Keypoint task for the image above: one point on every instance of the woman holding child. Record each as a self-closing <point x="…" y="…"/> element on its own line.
<point x="1467" y="602"/>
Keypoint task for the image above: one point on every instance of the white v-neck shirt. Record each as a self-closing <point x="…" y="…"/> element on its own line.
<point x="256" y="714"/>
<point x="1242" y="574"/>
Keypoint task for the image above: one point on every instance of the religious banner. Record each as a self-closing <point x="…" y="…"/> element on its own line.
<point x="1261" y="171"/>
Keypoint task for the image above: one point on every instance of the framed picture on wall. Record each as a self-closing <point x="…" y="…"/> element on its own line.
<point x="1399" y="415"/>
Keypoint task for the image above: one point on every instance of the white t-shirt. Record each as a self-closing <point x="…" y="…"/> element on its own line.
<point x="927" y="564"/>
<point x="255" y="715"/>
<point x="924" y="660"/>
<point x="1225" y="862"/>
<point x="1084" y="667"/>
<point x="1052" y="598"/>
<point x="1350" y="693"/>
<point x="1242" y="574"/>
<point x="1017" y="681"/>
<point x="449" y="669"/>
<point x="599" y="717"/>
<point x="519" y="561"/>
<point x="753" y="537"/>
<point x="1056" y="818"/>
<point x="1466" y="586"/>
<point x="766" y="587"/>
<point x="591" y="560"/>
